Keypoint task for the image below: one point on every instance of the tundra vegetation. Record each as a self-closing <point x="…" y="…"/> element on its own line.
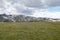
<point x="29" y="30"/>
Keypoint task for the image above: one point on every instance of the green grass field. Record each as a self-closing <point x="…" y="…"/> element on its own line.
<point x="29" y="31"/>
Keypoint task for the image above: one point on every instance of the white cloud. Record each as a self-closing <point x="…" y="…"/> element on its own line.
<point x="46" y="14"/>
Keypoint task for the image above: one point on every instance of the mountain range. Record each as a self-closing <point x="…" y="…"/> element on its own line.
<point x="24" y="18"/>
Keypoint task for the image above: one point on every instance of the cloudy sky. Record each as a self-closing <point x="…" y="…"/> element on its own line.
<point x="36" y="8"/>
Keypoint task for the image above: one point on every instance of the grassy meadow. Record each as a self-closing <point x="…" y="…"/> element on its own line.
<point x="29" y="30"/>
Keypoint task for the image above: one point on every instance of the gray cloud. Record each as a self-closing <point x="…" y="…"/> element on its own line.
<point x="40" y="3"/>
<point x="24" y="10"/>
<point x="44" y="3"/>
<point x="1" y="4"/>
<point x="53" y="3"/>
<point x="34" y="3"/>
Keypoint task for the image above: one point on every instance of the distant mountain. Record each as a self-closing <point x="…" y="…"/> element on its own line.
<point x="24" y="18"/>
